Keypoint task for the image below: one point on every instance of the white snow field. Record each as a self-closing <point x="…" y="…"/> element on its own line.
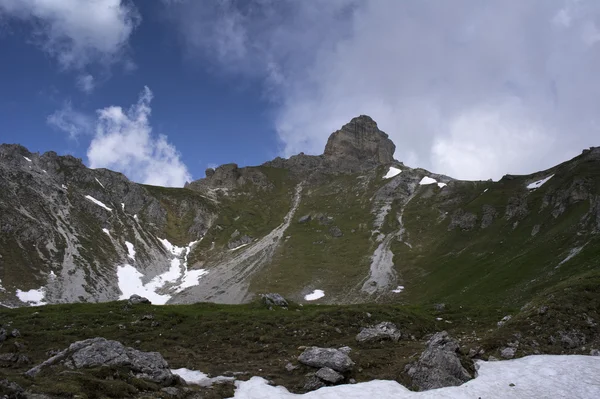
<point x="540" y="376"/>
<point x="177" y="277"/>
<point x="392" y="172"/>
<point x="32" y="297"/>
<point x="313" y="296"/>
<point x="99" y="203"/>
<point x="199" y="378"/>
<point x="539" y="183"/>
<point x="427" y="180"/>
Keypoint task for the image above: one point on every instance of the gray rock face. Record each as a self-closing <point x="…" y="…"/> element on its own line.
<point x="382" y="331"/>
<point x="326" y="357"/>
<point x="439" y="365"/>
<point x="239" y="241"/>
<point x="274" y="300"/>
<point x="96" y="352"/>
<point x="362" y="142"/>
<point x="304" y="219"/>
<point x="336" y="232"/>
<point x="489" y="214"/>
<point x="329" y="375"/>
<point x="136" y="300"/>
<point x="313" y="383"/>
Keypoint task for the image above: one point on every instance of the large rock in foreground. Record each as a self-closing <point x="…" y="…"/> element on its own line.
<point x="439" y="365"/>
<point x="326" y="357"/>
<point x="97" y="352"/>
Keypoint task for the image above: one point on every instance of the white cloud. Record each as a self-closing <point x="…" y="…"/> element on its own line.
<point x="86" y="83"/>
<point x="124" y="142"/>
<point x="476" y="89"/>
<point x="71" y="121"/>
<point x="77" y="32"/>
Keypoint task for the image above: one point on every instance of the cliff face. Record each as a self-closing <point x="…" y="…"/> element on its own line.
<point x="352" y="222"/>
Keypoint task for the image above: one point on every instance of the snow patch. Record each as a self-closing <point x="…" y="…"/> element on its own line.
<point x="238" y="247"/>
<point x="1" y="287"/>
<point x="32" y="297"/>
<point x="52" y="275"/>
<point x="106" y="231"/>
<point x="130" y="250"/>
<point x="427" y="180"/>
<point x="95" y="201"/>
<point x="392" y="172"/>
<point x="174" y="280"/>
<point x="574" y="252"/>
<point x="101" y="185"/>
<point x="540" y="376"/>
<point x="442" y="185"/>
<point x="313" y="296"/>
<point x="122" y="206"/>
<point x="539" y="183"/>
<point x="27" y="159"/>
<point x="43" y="170"/>
<point x="199" y="378"/>
<point x="63" y="186"/>
<point x="399" y="289"/>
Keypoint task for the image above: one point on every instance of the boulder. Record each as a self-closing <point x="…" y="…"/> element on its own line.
<point x="382" y="331"/>
<point x="439" y="365"/>
<point x="136" y="300"/>
<point x="304" y="219"/>
<point x="336" y="232"/>
<point x="508" y="353"/>
<point x="595" y="352"/>
<point x="329" y="375"/>
<point x="274" y="299"/>
<point x="326" y="357"/>
<point x="97" y="352"/>
<point x="313" y="383"/>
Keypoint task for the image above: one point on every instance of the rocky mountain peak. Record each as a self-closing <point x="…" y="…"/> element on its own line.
<point x="361" y="140"/>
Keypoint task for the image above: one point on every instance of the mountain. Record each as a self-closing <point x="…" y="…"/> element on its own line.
<point x="351" y="225"/>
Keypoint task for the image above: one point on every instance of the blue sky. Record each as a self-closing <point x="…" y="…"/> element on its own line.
<point x="161" y="89"/>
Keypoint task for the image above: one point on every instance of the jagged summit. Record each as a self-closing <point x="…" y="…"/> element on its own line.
<point x="361" y="140"/>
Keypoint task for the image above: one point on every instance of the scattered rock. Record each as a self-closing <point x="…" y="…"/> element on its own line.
<point x="326" y="357"/>
<point x="147" y="317"/>
<point x="15" y="333"/>
<point x="328" y="375"/>
<point x="304" y="219"/>
<point x="11" y="389"/>
<point x="274" y="299"/>
<point x="572" y="339"/>
<point x="171" y="391"/>
<point x="313" y="383"/>
<point x="439" y="307"/>
<point x="439" y="365"/>
<point x="543" y="310"/>
<point x="595" y="352"/>
<point x="383" y="330"/>
<point x="504" y="320"/>
<point x="96" y="352"/>
<point x="335" y="232"/>
<point x="462" y="220"/>
<point x="508" y="353"/>
<point x="136" y="300"/>
<point x="290" y="367"/>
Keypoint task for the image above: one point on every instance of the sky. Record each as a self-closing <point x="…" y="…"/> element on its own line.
<point x="160" y="90"/>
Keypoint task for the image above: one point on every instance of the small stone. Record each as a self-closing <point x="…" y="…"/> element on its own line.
<point x="352" y="381"/>
<point x="338" y="330"/>
<point x="313" y="383"/>
<point x="511" y="385"/>
<point x="122" y="327"/>
<point x="439" y="307"/>
<point x="147" y="317"/>
<point x="508" y="353"/>
<point x="329" y="375"/>
<point x="304" y="219"/>
<point x="15" y="333"/>
<point x="274" y="299"/>
<point x="595" y="352"/>
<point x="290" y="367"/>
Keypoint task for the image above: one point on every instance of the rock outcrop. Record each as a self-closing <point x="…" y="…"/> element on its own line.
<point x="326" y="357"/>
<point x="97" y="352"/>
<point x="382" y="331"/>
<point x="439" y="365"/>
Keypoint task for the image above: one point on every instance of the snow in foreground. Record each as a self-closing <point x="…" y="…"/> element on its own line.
<point x="539" y="183"/>
<point x="541" y="376"/>
<point x="392" y="172"/>
<point x="199" y="378"/>
<point x="313" y="296"/>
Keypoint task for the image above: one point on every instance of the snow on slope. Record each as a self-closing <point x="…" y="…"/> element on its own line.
<point x="174" y="280"/>
<point x="32" y="297"/>
<point x="541" y="376"/>
<point x="130" y="250"/>
<point x="392" y="172"/>
<point x="537" y="184"/>
<point x="427" y="180"/>
<point x="313" y="296"/>
<point x="99" y="203"/>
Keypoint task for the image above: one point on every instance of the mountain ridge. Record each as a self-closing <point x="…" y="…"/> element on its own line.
<point x="335" y="222"/>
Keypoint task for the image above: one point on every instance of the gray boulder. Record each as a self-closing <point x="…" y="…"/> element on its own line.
<point x="326" y="357"/>
<point x="595" y="352"/>
<point x="97" y="352"/>
<point x="329" y="375"/>
<point x="439" y="365"/>
<point x="508" y="353"/>
<point x="313" y="383"/>
<point x="304" y="219"/>
<point x="274" y="300"/>
<point x="382" y="331"/>
<point x="136" y="300"/>
<point x="336" y="232"/>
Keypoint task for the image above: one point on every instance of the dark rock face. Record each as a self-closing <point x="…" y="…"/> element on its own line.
<point x="360" y="141"/>
<point x="382" y="331"/>
<point x="326" y="357"/>
<point x="136" y="300"/>
<point x="439" y="365"/>
<point x="96" y="352"/>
